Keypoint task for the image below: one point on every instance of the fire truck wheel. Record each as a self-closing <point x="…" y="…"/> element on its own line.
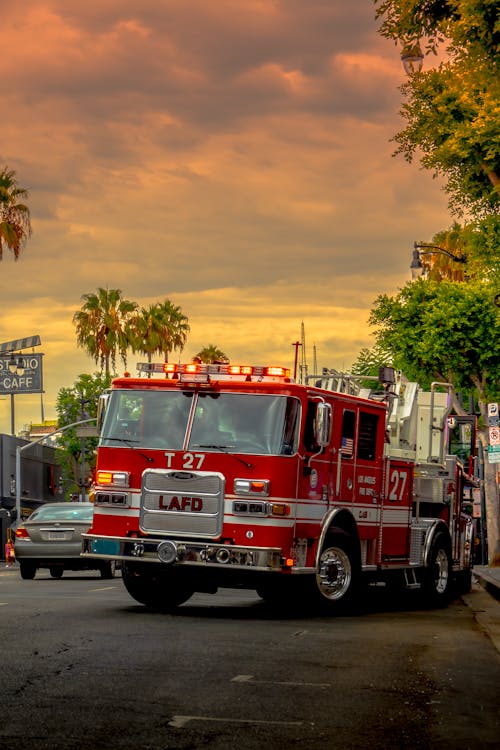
<point x="155" y="589"/>
<point x="28" y="570"/>
<point x="336" y="574"/>
<point x="437" y="577"/>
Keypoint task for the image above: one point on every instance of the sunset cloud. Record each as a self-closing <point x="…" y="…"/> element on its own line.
<point x="234" y="157"/>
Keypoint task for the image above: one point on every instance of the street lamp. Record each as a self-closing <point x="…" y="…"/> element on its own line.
<point x="412" y="59"/>
<point x="16" y="366"/>
<point x="420" y="248"/>
<point x="21" y="448"/>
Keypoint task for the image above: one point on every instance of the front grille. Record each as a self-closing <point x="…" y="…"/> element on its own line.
<point x="183" y="503"/>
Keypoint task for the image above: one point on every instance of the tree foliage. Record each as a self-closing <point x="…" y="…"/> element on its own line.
<point x="74" y="404"/>
<point x="446" y="331"/>
<point x="211" y="353"/>
<point x="15" y="222"/>
<point x="159" y="328"/>
<point x="103" y="326"/>
<point x="452" y="111"/>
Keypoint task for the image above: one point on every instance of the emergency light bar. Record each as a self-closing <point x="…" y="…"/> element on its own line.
<point x="203" y="373"/>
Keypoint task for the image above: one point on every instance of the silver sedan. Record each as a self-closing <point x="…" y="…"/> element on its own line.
<point x="52" y="538"/>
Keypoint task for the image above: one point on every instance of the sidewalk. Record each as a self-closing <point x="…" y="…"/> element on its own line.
<point x="489" y="578"/>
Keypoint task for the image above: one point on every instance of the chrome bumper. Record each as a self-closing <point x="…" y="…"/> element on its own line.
<point x="175" y="552"/>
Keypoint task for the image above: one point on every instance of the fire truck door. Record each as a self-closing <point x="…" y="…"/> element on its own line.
<point x="343" y="469"/>
<point x="397" y="508"/>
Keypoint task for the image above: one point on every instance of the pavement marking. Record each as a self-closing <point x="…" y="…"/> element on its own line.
<point x="3" y="604"/>
<point x="250" y="678"/>
<point x="180" y="721"/>
<point x="104" y="588"/>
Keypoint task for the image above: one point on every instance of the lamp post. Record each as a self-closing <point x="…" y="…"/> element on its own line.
<point x="426" y="248"/>
<point x="21" y="448"/>
<point x="16" y="367"/>
<point x="83" y="415"/>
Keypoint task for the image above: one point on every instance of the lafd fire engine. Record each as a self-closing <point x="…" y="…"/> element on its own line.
<point x="219" y="475"/>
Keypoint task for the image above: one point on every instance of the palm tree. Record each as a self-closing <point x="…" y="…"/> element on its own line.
<point x="160" y="328"/>
<point x="15" y="224"/>
<point x="211" y="353"/>
<point x="147" y="327"/>
<point x="103" y="326"/>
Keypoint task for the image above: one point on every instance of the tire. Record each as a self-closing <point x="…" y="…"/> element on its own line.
<point x="56" y="571"/>
<point x="108" y="569"/>
<point x="437" y="577"/>
<point x="464" y="581"/>
<point x="156" y="590"/>
<point x="337" y="574"/>
<point x="28" y="570"/>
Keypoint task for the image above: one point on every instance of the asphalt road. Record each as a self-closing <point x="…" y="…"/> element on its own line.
<point x="84" y="668"/>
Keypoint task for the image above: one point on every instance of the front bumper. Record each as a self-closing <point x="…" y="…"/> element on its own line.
<point x="185" y="553"/>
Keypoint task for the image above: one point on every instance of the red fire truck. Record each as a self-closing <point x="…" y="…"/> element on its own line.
<point x="220" y="475"/>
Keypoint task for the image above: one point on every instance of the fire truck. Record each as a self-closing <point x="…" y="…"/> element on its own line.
<point x="223" y="475"/>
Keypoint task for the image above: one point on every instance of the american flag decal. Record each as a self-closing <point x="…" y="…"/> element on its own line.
<point x="347" y="446"/>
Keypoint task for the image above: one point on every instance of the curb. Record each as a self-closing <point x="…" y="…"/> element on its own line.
<point x="488" y="580"/>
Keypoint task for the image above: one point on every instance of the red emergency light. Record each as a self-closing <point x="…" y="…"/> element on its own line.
<point x="197" y="372"/>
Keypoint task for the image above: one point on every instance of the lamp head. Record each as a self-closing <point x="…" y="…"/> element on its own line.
<point x="416" y="266"/>
<point x="412" y="59"/>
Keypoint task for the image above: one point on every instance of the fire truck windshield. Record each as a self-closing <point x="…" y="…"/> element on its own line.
<point x="235" y="422"/>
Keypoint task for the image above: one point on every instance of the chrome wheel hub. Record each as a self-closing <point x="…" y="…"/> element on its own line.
<point x="334" y="573"/>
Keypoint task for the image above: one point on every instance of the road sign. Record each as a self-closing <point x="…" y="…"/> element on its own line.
<point x="494" y="435"/>
<point x="493" y="414"/>
<point x="30" y="381"/>
<point x="494" y="454"/>
<point x="87" y="431"/>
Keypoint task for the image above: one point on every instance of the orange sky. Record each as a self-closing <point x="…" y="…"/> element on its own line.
<point x="231" y="156"/>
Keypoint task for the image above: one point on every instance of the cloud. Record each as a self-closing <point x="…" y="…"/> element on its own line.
<point x="234" y="157"/>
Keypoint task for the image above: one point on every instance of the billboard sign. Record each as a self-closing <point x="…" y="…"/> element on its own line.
<point x="27" y="379"/>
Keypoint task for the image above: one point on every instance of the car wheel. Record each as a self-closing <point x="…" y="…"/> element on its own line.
<point x="56" y="571"/>
<point x="108" y="569"/>
<point x="28" y="570"/>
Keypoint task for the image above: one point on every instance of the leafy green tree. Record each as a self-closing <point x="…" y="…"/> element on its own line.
<point x="211" y="353"/>
<point x="452" y="111"/>
<point x="15" y="222"/>
<point x="159" y="328"/>
<point x="74" y="404"/>
<point x="103" y="327"/>
<point x="448" y="332"/>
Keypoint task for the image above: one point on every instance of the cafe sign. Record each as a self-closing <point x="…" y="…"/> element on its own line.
<point x="26" y="378"/>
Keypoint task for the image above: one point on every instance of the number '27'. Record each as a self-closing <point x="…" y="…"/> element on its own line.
<point x="397" y="485"/>
<point x="189" y="460"/>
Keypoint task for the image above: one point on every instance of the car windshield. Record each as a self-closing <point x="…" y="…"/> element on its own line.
<point x="235" y="422"/>
<point x="63" y="512"/>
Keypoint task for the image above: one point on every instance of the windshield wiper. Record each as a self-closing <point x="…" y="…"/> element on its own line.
<point x="130" y="444"/>
<point x="225" y="449"/>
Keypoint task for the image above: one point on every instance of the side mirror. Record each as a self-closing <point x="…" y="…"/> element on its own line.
<point x="323" y="424"/>
<point x="101" y="410"/>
